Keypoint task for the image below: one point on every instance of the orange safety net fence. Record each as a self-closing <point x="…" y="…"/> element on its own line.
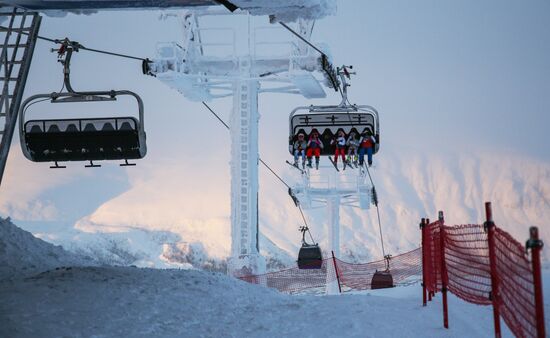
<point x="516" y="295"/>
<point x="469" y="266"/>
<point x="351" y="276"/>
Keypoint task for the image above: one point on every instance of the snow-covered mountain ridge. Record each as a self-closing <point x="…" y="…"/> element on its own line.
<point x="410" y="184"/>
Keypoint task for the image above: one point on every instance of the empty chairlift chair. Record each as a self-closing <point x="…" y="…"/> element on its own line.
<point x="82" y="139"/>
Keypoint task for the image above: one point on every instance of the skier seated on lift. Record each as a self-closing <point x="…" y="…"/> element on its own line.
<point x="340" y="142"/>
<point x="366" y="145"/>
<point x="314" y="146"/>
<point x="353" y="145"/>
<point x="299" y="149"/>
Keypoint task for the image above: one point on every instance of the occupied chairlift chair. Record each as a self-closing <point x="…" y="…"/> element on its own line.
<point x="327" y="120"/>
<point x="81" y="139"/>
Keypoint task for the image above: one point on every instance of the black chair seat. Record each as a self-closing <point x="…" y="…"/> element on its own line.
<point x="88" y="144"/>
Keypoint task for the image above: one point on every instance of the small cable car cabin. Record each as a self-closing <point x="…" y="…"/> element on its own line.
<point x="328" y="120"/>
<point x="383" y="279"/>
<point x="310" y="257"/>
<point x="82" y="139"/>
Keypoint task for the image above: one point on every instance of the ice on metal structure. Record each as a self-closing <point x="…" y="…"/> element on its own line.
<point x="280" y="10"/>
<point x="330" y="189"/>
<point x="203" y="70"/>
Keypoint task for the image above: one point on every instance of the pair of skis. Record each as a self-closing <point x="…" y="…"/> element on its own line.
<point x="346" y="164"/>
<point x="295" y="166"/>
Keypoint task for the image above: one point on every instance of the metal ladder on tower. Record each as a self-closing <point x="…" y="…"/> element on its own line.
<point x="18" y="35"/>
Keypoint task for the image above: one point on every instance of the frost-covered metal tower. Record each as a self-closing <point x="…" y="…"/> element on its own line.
<point x="214" y="62"/>
<point x="329" y="189"/>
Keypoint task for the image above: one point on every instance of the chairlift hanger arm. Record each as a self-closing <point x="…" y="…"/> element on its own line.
<point x="344" y="75"/>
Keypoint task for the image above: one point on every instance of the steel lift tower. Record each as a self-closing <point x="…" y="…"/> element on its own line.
<point x="199" y="75"/>
<point x="18" y="34"/>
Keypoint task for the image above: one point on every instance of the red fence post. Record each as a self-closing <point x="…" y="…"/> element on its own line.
<point x="424" y="248"/>
<point x="495" y="298"/>
<point x="535" y="244"/>
<point x="444" y="277"/>
<point x="433" y="265"/>
<point x="336" y="271"/>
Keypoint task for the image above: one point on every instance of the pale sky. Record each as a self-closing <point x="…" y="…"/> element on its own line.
<point x="444" y="76"/>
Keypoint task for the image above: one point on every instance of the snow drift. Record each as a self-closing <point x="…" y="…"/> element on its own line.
<point x="22" y="254"/>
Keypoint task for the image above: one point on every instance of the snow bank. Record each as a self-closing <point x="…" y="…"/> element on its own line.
<point x="134" y="302"/>
<point x="22" y="254"/>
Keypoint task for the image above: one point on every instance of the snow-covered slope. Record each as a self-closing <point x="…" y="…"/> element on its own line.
<point x="134" y="302"/>
<point x="76" y="301"/>
<point x="23" y="254"/>
<point x="410" y="185"/>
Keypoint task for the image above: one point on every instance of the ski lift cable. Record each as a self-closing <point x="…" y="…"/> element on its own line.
<point x="334" y="81"/>
<point x="267" y="166"/>
<point x="377" y="214"/>
<point x="305" y="222"/>
<point x="371" y="180"/>
<point x="302" y="38"/>
<point x="262" y="161"/>
<point x="59" y="41"/>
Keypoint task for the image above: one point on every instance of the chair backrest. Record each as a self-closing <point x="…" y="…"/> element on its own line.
<point x="36" y="129"/>
<point x="107" y="127"/>
<point x="126" y="126"/>
<point x="89" y="127"/>
<point x="53" y="129"/>
<point x="71" y="128"/>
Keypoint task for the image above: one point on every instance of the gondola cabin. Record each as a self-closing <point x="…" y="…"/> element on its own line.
<point x="326" y="121"/>
<point x="310" y="257"/>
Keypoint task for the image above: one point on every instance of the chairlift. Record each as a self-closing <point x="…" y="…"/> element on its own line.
<point x="327" y="120"/>
<point x="309" y="256"/>
<point x="82" y="139"/>
<point x="383" y="279"/>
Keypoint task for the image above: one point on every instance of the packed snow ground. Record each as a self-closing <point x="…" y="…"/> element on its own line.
<point x="135" y="302"/>
<point x="113" y="301"/>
